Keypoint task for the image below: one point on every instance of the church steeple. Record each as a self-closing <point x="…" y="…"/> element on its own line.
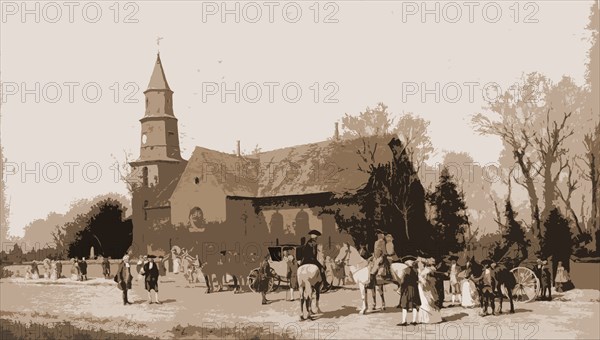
<point x="160" y="135"/>
<point x="158" y="81"/>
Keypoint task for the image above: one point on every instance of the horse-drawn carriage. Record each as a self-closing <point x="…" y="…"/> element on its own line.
<point x="278" y="265"/>
<point x="527" y="286"/>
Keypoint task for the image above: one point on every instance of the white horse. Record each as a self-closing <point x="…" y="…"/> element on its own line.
<point x="359" y="268"/>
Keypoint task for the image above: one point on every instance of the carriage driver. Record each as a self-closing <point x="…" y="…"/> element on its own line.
<point x="309" y="255"/>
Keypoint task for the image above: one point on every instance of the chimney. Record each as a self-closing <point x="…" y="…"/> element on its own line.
<point x="238" y="152"/>
<point x="336" y="134"/>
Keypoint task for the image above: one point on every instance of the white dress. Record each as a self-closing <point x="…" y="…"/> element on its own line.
<point x="468" y="293"/>
<point x="176" y="263"/>
<point x="428" y="312"/>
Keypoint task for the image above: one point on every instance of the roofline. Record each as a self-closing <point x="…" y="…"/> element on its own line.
<point x="138" y="162"/>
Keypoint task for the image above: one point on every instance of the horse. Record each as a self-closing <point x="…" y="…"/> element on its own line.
<point x="359" y="267"/>
<point x="504" y="278"/>
<point x="309" y="281"/>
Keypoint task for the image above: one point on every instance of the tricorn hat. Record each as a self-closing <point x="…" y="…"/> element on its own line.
<point x="379" y="231"/>
<point x="223" y="252"/>
<point x="314" y="232"/>
<point x="409" y="258"/>
<point x="487" y="262"/>
<point x="453" y="258"/>
<point x="151" y="256"/>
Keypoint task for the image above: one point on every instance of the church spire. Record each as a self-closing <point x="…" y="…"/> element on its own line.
<point x="158" y="81"/>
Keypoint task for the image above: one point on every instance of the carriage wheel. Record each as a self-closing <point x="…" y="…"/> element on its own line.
<point x="275" y="281"/>
<point x="528" y="285"/>
<point x="252" y="277"/>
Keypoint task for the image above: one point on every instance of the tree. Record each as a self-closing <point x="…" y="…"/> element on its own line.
<point x="450" y="218"/>
<point x="557" y="239"/>
<point x="4" y="208"/>
<point x="412" y="131"/>
<point x="592" y="171"/>
<point x="393" y="200"/>
<point x="535" y="129"/>
<point x="512" y="234"/>
<point x="371" y="122"/>
<point x="102" y="227"/>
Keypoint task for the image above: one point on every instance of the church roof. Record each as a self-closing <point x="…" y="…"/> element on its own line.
<point x="328" y="166"/>
<point x="324" y="167"/>
<point x="158" y="80"/>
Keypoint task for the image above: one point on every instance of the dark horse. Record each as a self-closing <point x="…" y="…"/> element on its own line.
<point x="503" y="278"/>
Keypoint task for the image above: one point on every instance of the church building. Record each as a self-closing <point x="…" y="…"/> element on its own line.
<point x="281" y="194"/>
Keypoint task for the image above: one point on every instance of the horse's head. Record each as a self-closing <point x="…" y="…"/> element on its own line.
<point x="348" y="255"/>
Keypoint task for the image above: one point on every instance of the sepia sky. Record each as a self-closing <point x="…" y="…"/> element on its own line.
<point x="376" y="52"/>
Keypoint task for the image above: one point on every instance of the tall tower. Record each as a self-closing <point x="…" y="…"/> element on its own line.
<point x="156" y="172"/>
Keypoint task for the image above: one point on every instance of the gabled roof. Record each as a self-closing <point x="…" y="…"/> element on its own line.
<point x="230" y="172"/>
<point x="324" y="167"/>
<point x="158" y="80"/>
<point x="329" y="166"/>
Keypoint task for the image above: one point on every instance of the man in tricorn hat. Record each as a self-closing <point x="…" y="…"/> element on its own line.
<point x="309" y="255"/>
<point x="151" y="273"/>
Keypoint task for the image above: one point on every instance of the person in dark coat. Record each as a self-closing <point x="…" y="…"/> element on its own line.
<point x="409" y="292"/>
<point x="106" y="267"/>
<point x="262" y="281"/>
<point x="58" y="269"/>
<point x="487" y="282"/>
<point x="124" y="278"/>
<point x="83" y="268"/>
<point x="546" y="281"/>
<point x="309" y="255"/>
<point x="151" y="273"/>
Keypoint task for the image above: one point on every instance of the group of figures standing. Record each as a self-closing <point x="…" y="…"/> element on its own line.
<point x="52" y="270"/>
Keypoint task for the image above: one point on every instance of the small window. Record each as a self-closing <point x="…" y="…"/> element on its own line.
<point x="145" y="176"/>
<point x="197" y="180"/>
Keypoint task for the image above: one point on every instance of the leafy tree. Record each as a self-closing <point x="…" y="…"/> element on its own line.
<point x="513" y="235"/>
<point x="393" y="200"/>
<point x="450" y="218"/>
<point x="102" y="227"/>
<point x="556" y="241"/>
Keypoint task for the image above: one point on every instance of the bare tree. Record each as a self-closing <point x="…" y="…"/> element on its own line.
<point x="591" y="171"/>
<point x="549" y="146"/>
<point x="412" y="131"/>
<point x="572" y="185"/>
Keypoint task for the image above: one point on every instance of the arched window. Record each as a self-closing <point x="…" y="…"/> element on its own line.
<point x="302" y="227"/>
<point x="197" y="217"/>
<point x="145" y="177"/>
<point x="276" y="224"/>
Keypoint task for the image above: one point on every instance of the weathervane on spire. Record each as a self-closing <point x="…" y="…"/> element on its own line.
<point x="158" y="39"/>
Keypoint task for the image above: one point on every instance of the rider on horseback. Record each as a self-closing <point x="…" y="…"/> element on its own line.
<point x="380" y="263"/>
<point x="309" y="255"/>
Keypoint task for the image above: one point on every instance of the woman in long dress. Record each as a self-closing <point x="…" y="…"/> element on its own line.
<point x="467" y="288"/>
<point x="74" y="270"/>
<point x="429" y="312"/>
<point x="561" y="278"/>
